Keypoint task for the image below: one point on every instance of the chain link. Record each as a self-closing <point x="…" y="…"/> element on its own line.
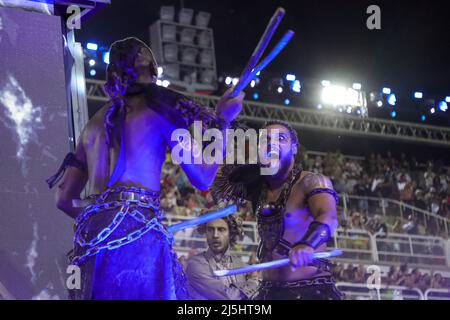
<point x="94" y="246"/>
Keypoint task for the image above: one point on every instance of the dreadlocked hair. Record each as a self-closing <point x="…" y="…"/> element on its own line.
<point x="120" y="75"/>
<point x="234" y="225"/>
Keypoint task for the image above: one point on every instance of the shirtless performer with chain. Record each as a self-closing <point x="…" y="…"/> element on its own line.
<point x="296" y="215"/>
<point x="123" y="249"/>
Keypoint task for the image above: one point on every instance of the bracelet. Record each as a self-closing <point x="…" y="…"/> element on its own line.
<point x="317" y="234"/>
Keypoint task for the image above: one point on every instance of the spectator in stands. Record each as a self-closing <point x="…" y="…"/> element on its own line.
<point x="411" y="227"/>
<point x="220" y="234"/>
<point x="437" y="282"/>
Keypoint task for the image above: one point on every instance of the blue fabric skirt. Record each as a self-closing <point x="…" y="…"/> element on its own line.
<point x="142" y="269"/>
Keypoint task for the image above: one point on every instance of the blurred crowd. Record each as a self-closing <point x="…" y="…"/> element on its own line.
<point x="397" y="276"/>
<point x="425" y="186"/>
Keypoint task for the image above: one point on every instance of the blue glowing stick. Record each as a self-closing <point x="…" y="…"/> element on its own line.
<point x="273" y="264"/>
<point x="203" y="219"/>
<point x="259" y="50"/>
<point x="268" y="59"/>
<point x="275" y="51"/>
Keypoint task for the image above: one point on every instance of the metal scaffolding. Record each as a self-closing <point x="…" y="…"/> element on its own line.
<point x="318" y="120"/>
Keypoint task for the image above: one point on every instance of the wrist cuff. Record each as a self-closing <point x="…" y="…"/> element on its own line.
<point x="317" y="234"/>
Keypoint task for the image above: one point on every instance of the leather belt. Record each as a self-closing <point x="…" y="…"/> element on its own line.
<point x="128" y="196"/>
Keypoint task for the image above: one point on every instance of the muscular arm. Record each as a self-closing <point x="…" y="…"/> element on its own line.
<point x="199" y="173"/>
<point x="322" y="205"/>
<point x="71" y="185"/>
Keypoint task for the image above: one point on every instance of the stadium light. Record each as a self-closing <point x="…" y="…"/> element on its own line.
<point x="432" y="110"/>
<point x="92" y="46"/>
<point x="189" y="55"/>
<point x="418" y="95"/>
<point x="252" y="83"/>
<point x="187" y="35"/>
<point x="392" y="99"/>
<point x="167" y="13"/>
<point x="92" y="72"/>
<point x="339" y="96"/>
<point x="447" y="99"/>
<point x="106" y="57"/>
<point x="386" y="90"/>
<point x="280" y="89"/>
<point x="235" y="81"/>
<point x="91" y="62"/>
<point x="296" y="86"/>
<point x="379" y="103"/>
<point x="185" y="16"/>
<point x="290" y="77"/>
<point x="228" y="80"/>
<point x="443" y="106"/>
<point x="202" y="19"/>
<point x="356" y="86"/>
<point x="165" y="83"/>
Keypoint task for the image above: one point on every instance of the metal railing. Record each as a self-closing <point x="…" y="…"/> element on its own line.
<point x="317" y="120"/>
<point x="359" y="291"/>
<point x="358" y="245"/>
<point x="392" y="208"/>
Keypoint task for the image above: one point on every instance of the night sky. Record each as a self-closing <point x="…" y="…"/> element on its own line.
<point x="410" y="52"/>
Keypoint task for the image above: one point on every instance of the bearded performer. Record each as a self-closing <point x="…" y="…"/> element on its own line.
<point x="123" y="249"/>
<point x="296" y="216"/>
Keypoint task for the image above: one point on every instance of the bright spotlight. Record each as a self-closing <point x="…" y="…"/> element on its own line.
<point x="447" y="99"/>
<point x="423" y="117"/>
<point x="433" y="110"/>
<point x="393" y="114"/>
<point x="165" y="83"/>
<point x="92" y="72"/>
<point x="235" y="81"/>
<point x="418" y="95"/>
<point x="392" y="99"/>
<point x="92" y="46"/>
<point x="286" y="101"/>
<point x="290" y="77"/>
<point x="160" y="71"/>
<point x="443" y="106"/>
<point x="379" y="103"/>
<point x="256" y="96"/>
<point x="228" y="80"/>
<point x="91" y="62"/>
<point x="280" y="89"/>
<point x="296" y="86"/>
<point x="252" y="83"/>
<point x="386" y="90"/>
<point x="349" y="109"/>
<point x="356" y="86"/>
<point x="325" y="83"/>
<point x="338" y="95"/>
<point x="106" y="57"/>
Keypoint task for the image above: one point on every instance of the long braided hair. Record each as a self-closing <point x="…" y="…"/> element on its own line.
<point x="120" y="75"/>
